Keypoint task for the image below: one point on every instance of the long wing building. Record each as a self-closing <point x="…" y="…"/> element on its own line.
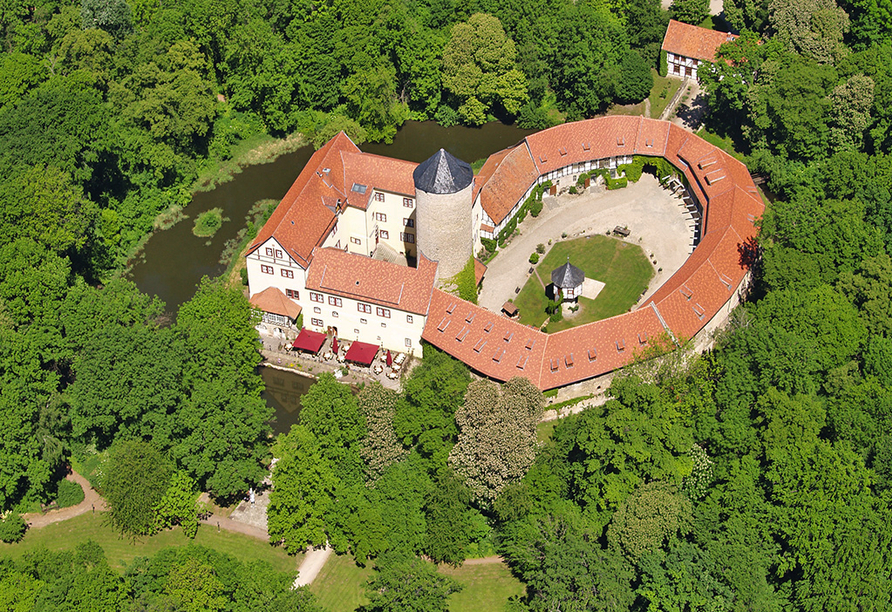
<point x="363" y="244"/>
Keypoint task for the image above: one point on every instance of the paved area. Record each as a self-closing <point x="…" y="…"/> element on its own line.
<point x="311" y="565"/>
<point x="591" y="288"/>
<point x="252" y="514"/>
<point x="657" y="219"/>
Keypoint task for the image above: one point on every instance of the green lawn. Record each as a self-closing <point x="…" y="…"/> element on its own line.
<point x="545" y="429"/>
<point x="486" y="587"/>
<point x="340" y="586"/>
<point x="725" y="144"/>
<point x="120" y="552"/>
<point x="663" y="90"/>
<point x="622" y="266"/>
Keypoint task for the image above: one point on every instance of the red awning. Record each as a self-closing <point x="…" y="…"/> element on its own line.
<point x="360" y="352"/>
<point x="309" y="341"/>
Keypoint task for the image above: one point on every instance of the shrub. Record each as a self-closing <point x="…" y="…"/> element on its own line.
<point x="536" y="207"/>
<point x="244" y="275"/>
<point x="70" y="494"/>
<point x="489" y="244"/>
<point x="617" y="183"/>
<point x="207" y="223"/>
<point x="12" y="528"/>
<point x="664" y="64"/>
<point x="573" y="189"/>
<point x="534" y="258"/>
<point x="540" y="248"/>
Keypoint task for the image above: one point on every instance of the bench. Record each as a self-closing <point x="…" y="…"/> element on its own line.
<point x="621" y="231"/>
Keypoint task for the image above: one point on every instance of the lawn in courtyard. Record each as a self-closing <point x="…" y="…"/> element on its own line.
<point x="121" y="551"/>
<point x="622" y="267"/>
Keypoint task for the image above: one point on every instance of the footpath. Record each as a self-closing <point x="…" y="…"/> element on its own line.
<point x="250" y="520"/>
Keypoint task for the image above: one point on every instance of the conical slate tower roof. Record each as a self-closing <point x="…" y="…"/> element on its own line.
<point x="567" y="276"/>
<point x="442" y="173"/>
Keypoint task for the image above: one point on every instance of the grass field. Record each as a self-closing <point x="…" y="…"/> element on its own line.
<point x="486" y="587"/>
<point x="340" y="586"/>
<point x="66" y="535"/>
<point x="661" y="94"/>
<point x="621" y="266"/>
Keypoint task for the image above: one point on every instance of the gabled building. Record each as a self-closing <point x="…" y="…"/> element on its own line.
<point x="687" y="46"/>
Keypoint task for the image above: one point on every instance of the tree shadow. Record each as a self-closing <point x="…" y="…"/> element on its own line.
<point x="693" y="113"/>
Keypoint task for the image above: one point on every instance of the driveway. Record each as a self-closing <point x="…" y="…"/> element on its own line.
<point x="654" y="215"/>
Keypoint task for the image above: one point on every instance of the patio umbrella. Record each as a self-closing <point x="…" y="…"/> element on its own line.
<point x="334" y="345"/>
<point x="389" y="359"/>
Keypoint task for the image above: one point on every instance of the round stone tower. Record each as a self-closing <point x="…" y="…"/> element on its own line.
<point x="443" y="226"/>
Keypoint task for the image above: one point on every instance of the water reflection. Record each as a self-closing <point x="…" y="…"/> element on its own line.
<point x="283" y="392"/>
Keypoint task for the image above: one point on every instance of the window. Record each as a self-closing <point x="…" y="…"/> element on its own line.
<point x="384" y="234"/>
<point x="279" y="254"/>
<point x="379" y="197"/>
<point x="383" y="312"/>
<point x="317" y="310"/>
<point x="408" y="342"/>
<point x="335" y="301"/>
<point x="355" y="240"/>
<point x="384" y="325"/>
<point x="268" y="251"/>
<point x="363" y="321"/>
<point x="409" y="319"/>
<point x="364" y="308"/>
<point x="407" y="237"/>
<point x="408" y="222"/>
<point x="292" y="294"/>
<point x="266" y="269"/>
<point x="316" y="322"/>
<point x="316" y="297"/>
<point x="408" y="202"/>
<point x="380" y="217"/>
<point x="287" y="273"/>
<point x="334" y="313"/>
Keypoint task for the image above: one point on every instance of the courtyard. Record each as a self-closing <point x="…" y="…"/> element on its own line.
<point x="622" y="266"/>
<point x="656" y="218"/>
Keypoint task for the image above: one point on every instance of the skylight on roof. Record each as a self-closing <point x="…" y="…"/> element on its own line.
<point x="359" y="188"/>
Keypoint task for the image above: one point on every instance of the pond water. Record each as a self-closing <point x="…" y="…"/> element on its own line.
<point x="173" y="261"/>
<point x="283" y="392"/>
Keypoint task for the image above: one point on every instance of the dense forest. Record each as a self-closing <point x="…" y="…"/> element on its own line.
<point x="753" y="477"/>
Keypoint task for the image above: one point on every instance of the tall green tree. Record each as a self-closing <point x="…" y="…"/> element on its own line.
<point x="135" y="481"/>
<point x="479" y="69"/>
<point x="304" y="484"/>
<point x="497" y="435"/>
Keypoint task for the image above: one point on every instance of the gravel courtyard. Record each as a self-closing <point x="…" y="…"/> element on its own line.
<point x="656" y="218"/>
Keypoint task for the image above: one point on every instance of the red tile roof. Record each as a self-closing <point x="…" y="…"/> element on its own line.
<point x="693" y="41"/>
<point x="501" y="348"/>
<point x="302" y="220"/>
<point x="375" y="171"/>
<point x="370" y="280"/>
<point x="479" y="270"/>
<point x="505" y="186"/>
<point x="306" y="215"/>
<point x="274" y="301"/>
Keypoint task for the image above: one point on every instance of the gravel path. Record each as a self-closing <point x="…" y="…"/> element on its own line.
<point x="654" y="215"/>
<point x="92" y="501"/>
<point x="312" y="565"/>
